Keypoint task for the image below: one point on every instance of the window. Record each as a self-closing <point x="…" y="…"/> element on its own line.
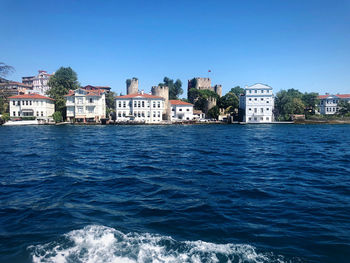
<point x="261" y="118"/>
<point x="14" y="103"/>
<point x="124" y="113"/>
<point x="42" y="114"/>
<point x="250" y="99"/>
<point x="18" y="103"/>
<point x="255" y="110"/>
<point x="262" y="91"/>
<point x="119" y="104"/>
<point x="124" y="104"/>
<point x="19" y="113"/>
<point x="154" y="104"/>
<point x="139" y="104"/>
<point x="154" y="114"/>
<point x="26" y="102"/>
<point x="148" y="114"/>
<point x="255" y="99"/>
<point x="267" y="101"/>
<point x="22" y="102"/>
<point x="158" y="104"/>
<point x="250" y="91"/>
<point x="30" y="102"/>
<point x="143" y="114"/>
<point x="119" y="114"/>
<point x="135" y="114"/>
<point x="262" y="110"/>
<point x="256" y="91"/>
<point x="91" y="100"/>
<point x="135" y="104"/>
<point x="139" y="114"/>
<point x="267" y="109"/>
<point x="37" y="113"/>
<point x="143" y="104"/>
<point x="14" y="113"/>
<point x="180" y="109"/>
<point x="80" y="109"/>
<point x="250" y="109"/>
<point x="188" y="110"/>
<point x="250" y="118"/>
<point x="255" y="118"/>
<point x="262" y="99"/>
<point x="267" y="118"/>
<point x="158" y="114"/>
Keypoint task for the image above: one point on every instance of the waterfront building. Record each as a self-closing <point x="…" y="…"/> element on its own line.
<point x="32" y="105"/>
<point x="181" y="111"/>
<point x="139" y="107"/>
<point x="12" y="88"/>
<point x="198" y="115"/>
<point x="329" y="103"/>
<point x="257" y="104"/>
<point x="86" y="105"/>
<point x="39" y="83"/>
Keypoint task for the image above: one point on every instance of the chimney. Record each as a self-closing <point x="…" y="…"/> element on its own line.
<point x="142" y="92"/>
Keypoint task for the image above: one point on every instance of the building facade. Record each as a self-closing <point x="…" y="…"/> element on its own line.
<point x="181" y="111"/>
<point x="12" y="88"/>
<point x="32" y="105"/>
<point x="139" y="107"/>
<point x="38" y="83"/>
<point x="86" y="105"/>
<point x="257" y="104"/>
<point x="329" y="103"/>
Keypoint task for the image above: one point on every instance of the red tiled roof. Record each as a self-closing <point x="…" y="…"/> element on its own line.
<point x="342" y="96"/>
<point x="15" y="83"/>
<point x="97" y="92"/>
<point x="180" y="102"/>
<point x="96" y="87"/>
<point x="138" y="95"/>
<point x="30" y="96"/>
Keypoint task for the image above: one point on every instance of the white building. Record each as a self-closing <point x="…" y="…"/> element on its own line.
<point x="139" y="107"/>
<point x="32" y="105"/>
<point x="39" y="83"/>
<point x="329" y="103"/>
<point x="181" y="111"/>
<point x="257" y="104"/>
<point x="86" y="105"/>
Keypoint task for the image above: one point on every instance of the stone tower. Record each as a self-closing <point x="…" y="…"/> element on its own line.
<point x="218" y="90"/>
<point x="132" y="86"/>
<point x="163" y="91"/>
<point x="210" y="103"/>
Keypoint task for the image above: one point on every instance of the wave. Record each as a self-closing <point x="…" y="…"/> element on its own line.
<point x="101" y="244"/>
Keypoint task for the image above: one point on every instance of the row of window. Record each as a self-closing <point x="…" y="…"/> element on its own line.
<point x="261" y="110"/>
<point x="256" y="91"/>
<point x="260" y="118"/>
<point x="27" y="102"/>
<point x="138" y="104"/>
<point x="28" y="114"/>
<point x="180" y="109"/>
<point x="140" y="114"/>
<point x="80" y="100"/>
<point x="329" y="101"/>
<point x="261" y="99"/>
<point x="331" y="109"/>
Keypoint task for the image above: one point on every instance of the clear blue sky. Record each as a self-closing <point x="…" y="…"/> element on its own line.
<point x="302" y="44"/>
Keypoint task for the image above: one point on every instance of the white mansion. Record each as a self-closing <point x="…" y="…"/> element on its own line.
<point x="257" y="104"/>
<point x="32" y="105"/>
<point x="38" y="83"/>
<point x="139" y="107"/>
<point x="329" y="103"/>
<point x="86" y="105"/>
<point x="181" y="111"/>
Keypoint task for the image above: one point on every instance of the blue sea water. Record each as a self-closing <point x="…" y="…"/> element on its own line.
<point x="203" y="193"/>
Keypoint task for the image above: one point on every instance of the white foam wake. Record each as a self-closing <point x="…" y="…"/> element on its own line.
<point x="100" y="244"/>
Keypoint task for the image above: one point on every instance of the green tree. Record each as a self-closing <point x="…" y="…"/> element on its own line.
<point x="110" y="103"/>
<point x="60" y="83"/>
<point x="214" y="112"/>
<point x="5" y="117"/>
<point x="310" y="101"/>
<point x="237" y="91"/>
<point x="57" y="116"/>
<point x="175" y="89"/>
<point x="343" y="107"/>
<point x="229" y="102"/>
<point x="287" y="103"/>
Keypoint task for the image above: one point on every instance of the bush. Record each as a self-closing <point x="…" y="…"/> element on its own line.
<point x="5" y="117"/>
<point x="57" y="116"/>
